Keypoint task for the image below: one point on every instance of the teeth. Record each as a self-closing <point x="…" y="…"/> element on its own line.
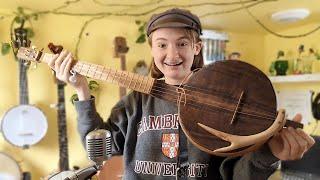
<point x="173" y="64"/>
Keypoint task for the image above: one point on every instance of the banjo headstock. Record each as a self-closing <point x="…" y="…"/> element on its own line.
<point x="29" y="54"/>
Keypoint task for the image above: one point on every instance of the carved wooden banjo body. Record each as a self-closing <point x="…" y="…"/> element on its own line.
<point x="227" y="108"/>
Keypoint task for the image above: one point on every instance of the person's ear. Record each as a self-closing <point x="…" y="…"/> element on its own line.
<point x="197" y="47"/>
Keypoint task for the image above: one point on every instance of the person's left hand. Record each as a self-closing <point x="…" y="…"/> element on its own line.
<point x="290" y="143"/>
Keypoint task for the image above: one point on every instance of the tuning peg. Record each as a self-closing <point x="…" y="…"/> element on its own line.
<point x="34" y="47"/>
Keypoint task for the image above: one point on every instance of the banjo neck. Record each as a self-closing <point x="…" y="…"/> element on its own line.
<point x="125" y="79"/>
<point x="23" y="84"/>
<point x="135" y="82"/>
<point x="22" y="41"/>
<point x="62" y="129"/>
<point x="62" y="123"/>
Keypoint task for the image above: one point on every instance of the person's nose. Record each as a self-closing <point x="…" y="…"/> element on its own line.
<point x="172" y="53"/>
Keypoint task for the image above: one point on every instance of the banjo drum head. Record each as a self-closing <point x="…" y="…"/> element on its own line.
<point x="24" y="125"/>
<point x="9" y="168"/>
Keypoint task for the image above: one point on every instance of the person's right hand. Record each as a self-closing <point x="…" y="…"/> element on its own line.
<point x="62" y="64"/>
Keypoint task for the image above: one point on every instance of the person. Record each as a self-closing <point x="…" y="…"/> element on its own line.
<point x="135" y="121"/>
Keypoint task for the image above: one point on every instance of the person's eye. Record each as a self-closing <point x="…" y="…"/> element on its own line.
<point x="182" y="44"/>
<point x="161" y="45"/>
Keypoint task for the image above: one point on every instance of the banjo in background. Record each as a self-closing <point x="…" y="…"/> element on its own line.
<point x="23" y="125"/>
<point x="62" y="125"/>
<point x="9" y="168"/>
<point x="120" y="50"/>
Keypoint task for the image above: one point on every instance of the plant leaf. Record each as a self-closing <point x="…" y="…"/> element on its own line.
<point x="141" y="29"/>
<point x="18" y="19"/>
<point x="20" y="10"/>
<point x="73" y="98"/>
<point x="141" y="39"/>
<point x="5" y="48"/>
<point x="93" y="85"/>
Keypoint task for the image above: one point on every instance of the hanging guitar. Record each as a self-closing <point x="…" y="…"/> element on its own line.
<point x="227" y="108"/>
<point x="62" y="124"/>
<point x="23" y="125"/>
<point x="120" y="50"/>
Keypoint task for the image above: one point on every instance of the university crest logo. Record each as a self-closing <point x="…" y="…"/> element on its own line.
<point x="170" y="144"/>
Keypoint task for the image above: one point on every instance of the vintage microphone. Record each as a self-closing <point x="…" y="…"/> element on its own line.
<point x="98" y="146"/>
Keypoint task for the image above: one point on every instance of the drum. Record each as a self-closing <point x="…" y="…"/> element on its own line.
<point x="9" y="168"/>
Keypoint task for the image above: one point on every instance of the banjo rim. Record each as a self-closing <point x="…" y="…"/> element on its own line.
<point x="13" y="161"/>
<point x="3" y="120"/>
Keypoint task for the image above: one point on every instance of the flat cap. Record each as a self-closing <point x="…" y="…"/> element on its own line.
<point x="174" y="18"/>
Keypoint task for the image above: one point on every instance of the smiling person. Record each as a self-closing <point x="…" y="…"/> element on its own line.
<point x="149" y="147"/>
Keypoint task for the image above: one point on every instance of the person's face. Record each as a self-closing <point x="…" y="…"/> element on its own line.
<point x="173" y="53"/>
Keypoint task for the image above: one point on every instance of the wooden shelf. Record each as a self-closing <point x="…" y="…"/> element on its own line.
<point x="296" y="78"/>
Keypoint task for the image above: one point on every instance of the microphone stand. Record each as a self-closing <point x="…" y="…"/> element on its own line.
<point x="84" y="174"/>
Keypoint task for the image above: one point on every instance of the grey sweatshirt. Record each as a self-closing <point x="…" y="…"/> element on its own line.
<point x="145" y="131"/>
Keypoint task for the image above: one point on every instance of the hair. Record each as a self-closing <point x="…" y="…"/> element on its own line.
<point x="194" y="37"/>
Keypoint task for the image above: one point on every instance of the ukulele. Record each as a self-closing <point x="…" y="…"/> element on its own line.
<point x="120" y="50"/>
<point x="62" y="124"/>
<point x="23" y="125"/>
<point x="227" y="108"/>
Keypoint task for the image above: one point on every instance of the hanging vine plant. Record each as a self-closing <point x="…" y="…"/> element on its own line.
<point x="93" y="87"/>
<point x="141" y="28"/>
<point x="5" y="48"/>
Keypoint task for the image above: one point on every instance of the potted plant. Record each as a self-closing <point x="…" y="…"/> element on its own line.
<point x="281" y="65"/>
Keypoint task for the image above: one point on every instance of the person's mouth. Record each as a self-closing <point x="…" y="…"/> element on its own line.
<point x="173" y="63"/>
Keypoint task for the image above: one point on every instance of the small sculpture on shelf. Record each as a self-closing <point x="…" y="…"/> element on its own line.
<point x="298" y="63"/>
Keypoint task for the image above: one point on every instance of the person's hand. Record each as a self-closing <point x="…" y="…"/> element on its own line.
<point x="290" y="143"/>
<point x="61" y="64"/>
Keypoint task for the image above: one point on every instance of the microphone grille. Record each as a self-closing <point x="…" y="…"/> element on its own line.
<point x="98" y="144"/>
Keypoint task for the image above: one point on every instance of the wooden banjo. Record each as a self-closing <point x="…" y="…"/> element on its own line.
<point x="227" y="108"/>
<point x="23" y="125"/>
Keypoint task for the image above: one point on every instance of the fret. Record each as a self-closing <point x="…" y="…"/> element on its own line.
<point x="126" y="73"/>
<point x="95" y="71"/>
<point x="150" y="85"/>
<point x="135" y="82"/>
<point x="105" y="74"/>
<point x="146" y="84"/>
<point x="130" y="81"/>
<point x="83" y="68"/>
<point x="114" y="76"/>
<point x="108" y="73"/>
<point x="140" y="83"/>
<point x="119" y="82"/>
<point x="82" y="64"/>
<point x="101" y="72"/>
<point x="87" y="74"/>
